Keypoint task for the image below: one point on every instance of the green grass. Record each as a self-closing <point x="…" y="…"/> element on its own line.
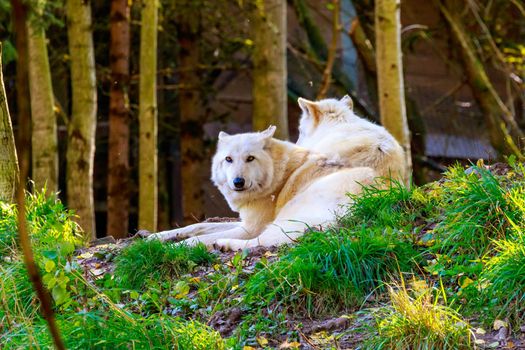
<point x="476" y="210"/>
<point x="418" y="322"/>
<point x="49" y="222"/>
<point x="16" y="292"/>
<point x="505" y="275"/>
<point x="329" y="271"/>
<point x="153" y="260"/>
<point x="109" y="330"/>
<point x="376" y="206"/>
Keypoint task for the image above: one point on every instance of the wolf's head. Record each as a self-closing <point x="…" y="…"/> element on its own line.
<point x="327" y="110"/>
<point x="242" y="165"/>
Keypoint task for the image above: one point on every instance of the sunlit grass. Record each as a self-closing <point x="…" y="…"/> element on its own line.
<point x="420" y="322"/>
<point x="330" y="271"/>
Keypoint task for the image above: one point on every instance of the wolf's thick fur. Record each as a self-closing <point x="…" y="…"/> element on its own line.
<point x="330" y="127"/>
<point x="285" y="188"/>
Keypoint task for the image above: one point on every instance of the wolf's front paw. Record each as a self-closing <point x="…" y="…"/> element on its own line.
<point x="226" y="244"/>
<point x="193" y="241"/>
<point x="153" y="236"/>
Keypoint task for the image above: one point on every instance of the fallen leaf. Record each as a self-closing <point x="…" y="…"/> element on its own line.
<point x="464" y="282"/>
<point x="195" y="279"/>
<point x="290" y="345"/>
<point x="479" y="341"/>
<point x="499" y="323"/>
<point x="269" y="254"/>
<point x="480" y="331"/>
<point x="262" y="341"/>
<point x="247" y="347"/>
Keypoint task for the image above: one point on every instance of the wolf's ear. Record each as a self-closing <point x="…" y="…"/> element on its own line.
<point x="310" y="108"/>
<point x="222" y="135"/>
<point x="348" y="101"/>
<point x="268" y="133"/>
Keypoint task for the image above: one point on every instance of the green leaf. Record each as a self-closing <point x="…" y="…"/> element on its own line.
<point x="66" y="248"/>
<point x="50" y="265"/>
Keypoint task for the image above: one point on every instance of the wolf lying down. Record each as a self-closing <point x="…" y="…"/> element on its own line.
<point x="280" y="188"/>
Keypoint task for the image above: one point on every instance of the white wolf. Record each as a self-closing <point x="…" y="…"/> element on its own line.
<point x="277" y="187"/>
<point x="330" y="127"/>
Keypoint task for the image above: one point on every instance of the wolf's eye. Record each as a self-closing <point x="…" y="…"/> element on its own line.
<point x="250" y="158"/>
<point x="229" y="159"/>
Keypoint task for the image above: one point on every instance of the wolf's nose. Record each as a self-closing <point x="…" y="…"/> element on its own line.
<point x="238" y="182"/>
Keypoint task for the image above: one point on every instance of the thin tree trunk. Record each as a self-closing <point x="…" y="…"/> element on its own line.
<point x="193" y="155"/>
<point x="148" y="170"/>
<point x="389" y="65"/>
<point x="82" y="124"/>
<point x="44" y="126"/>
<point x="269" y="67"/>
<point x="118" y="167"/>
<point x="320" y="50"/>
<point x="8" y="158"/>
<point x="505" y="134"/>
<point x="23" y="109"/>
<point x="327" y="73"/>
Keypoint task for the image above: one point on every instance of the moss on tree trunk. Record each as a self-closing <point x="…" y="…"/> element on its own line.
<point x="148" y="183"/>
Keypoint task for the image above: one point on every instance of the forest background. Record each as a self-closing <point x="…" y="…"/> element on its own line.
<point x="73" y="84"/>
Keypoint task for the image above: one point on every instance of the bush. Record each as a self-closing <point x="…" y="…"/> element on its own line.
<point x="418" y="323"/>
<point x="505" y="275"/>
<point x="110" y="330"/>
<point x="331" y="270"/>
<point x="49" y="223"/>
<point x="146" y="260"/>
<point x="477" y="210"/>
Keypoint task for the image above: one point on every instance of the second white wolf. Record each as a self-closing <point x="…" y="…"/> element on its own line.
<point x="279" y="188"/>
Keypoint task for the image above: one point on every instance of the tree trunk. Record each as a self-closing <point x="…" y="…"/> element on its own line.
<point x="389" y="65"/>
<point x="148" y="184"/>
<point x="23" y="109"/>
<point x="269" y="67"/>
<point x="8" y="158"/>
<point x="44" y="126"/>
<point x="193" y="155"/>
<point x="82" y="124"/>
<point x="505" y="135"/>
<point x="332" y="52"/>
<point x="118" y="166"/>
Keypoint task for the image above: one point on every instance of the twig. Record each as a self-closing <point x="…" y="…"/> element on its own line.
<point x="327" y="73"/>
<point x="437" y="102"/>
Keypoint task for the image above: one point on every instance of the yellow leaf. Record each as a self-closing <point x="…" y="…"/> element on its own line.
<point x="499" y="323"/>
<point x="269" y="254"/>
<point x="246" y="347"/>
<point x="262" y="341"/>
<point x="465" y="282"/>
<point x="480" y="331"/>
<point x="50" y="265"/>
<point x="195" y="279"/>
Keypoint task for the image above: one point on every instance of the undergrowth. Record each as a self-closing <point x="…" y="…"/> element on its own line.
<point x="418" y="321"/>
<point x="153" y="260"/>
<point x="463" y="235"/>
<point x="330" y="271"/>
<point x="109" y="330"/>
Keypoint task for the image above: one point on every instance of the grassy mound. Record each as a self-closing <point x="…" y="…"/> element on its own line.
<point x="331" y="270"/>
<point x="153" y="260"/>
